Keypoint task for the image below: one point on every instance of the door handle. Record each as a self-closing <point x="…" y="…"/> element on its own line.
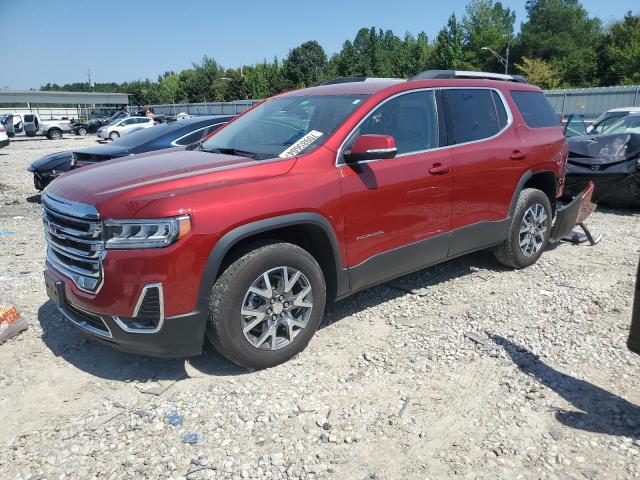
<point x="438" y="169"/>
<point x="518" y="155"/>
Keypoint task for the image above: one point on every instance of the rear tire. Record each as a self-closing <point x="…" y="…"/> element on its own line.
<point x="114" y="135"/>
<point x="528" y="232"/>
<point x="54" y="134"/>
<point x="289" y="308"/>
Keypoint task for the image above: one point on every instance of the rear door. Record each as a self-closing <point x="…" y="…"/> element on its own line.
<point x="396" y="212"/>
<point x="485" y="175"/>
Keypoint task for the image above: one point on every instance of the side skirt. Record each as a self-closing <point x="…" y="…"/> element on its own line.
<point x="425" y="253"/>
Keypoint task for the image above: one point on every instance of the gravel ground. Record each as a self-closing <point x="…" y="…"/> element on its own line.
<point x="463" y="370"/>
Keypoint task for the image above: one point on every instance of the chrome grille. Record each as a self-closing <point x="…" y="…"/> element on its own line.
<point x="74" y="239"/>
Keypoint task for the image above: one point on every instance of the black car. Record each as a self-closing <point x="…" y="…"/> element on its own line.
<point x="91" y="126"/>
<point x="168" y="135"/>
<point x="610" y="160"/>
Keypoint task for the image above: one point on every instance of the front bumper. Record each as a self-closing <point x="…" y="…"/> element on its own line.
<point x="177" y="336"/>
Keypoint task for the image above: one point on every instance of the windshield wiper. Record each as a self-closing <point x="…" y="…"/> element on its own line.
<point x="234" y="151"/>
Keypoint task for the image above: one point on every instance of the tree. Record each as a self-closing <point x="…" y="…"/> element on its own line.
<point x="621" y="58"/>
<point x="539" y="72"/>
<point x="304" y="65"/>
<point x="487" y="24"/>
<point x="265" y="79"/>
<point x="561" y="32"/>
<point x="234" y="86"/>
<point x="449" y="52"/>
<point x="170" y="89"/>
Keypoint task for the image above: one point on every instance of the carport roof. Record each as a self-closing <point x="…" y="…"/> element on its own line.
<point x="63" y="98"/>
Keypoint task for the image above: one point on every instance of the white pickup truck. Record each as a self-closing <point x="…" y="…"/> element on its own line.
<point x="52" y="129"/>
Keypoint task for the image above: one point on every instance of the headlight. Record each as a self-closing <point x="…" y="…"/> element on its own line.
<point x="152" y="233"/>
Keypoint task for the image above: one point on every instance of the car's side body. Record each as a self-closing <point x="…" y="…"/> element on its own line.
<point x="4" y="138"/>
<point x="124" y="127"/>
<point x="364" y="223"/>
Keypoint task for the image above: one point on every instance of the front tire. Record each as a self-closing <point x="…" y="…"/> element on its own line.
<point x="114" y="135"/>
<point x="266" y="305"/>
<point x="528" y="232"/>
<point x="82" y="131"/>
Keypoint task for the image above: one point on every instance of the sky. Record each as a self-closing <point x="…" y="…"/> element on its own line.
<point x="120" y="40"/>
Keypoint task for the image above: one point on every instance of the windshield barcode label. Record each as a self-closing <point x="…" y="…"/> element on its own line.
<point x="301" y="144"/>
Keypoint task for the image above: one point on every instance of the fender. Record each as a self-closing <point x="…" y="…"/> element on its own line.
<point x="516" y="193"/>
<point x="231" y="238"/>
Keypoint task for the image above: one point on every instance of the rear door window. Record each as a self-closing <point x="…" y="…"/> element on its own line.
<point x="471" y="115"/>
<point x="535" y="109"/>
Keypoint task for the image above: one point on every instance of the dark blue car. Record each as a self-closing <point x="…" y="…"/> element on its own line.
<point x="167" y="135"/>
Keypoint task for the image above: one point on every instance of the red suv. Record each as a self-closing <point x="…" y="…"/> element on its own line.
<point x="311" y="195"/>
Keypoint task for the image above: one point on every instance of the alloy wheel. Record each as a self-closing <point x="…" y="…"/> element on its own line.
<point x="533" y="229"/>
<point x="276" y="308"/>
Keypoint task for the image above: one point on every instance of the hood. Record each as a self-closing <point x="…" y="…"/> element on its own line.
<point x="101" y="152"/>
<point x="122" y="187"/>
<point x="50" y="161"/>
<point x="604" y="149"/>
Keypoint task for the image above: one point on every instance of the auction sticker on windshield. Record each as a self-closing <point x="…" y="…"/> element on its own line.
<point x="301" y="144"/>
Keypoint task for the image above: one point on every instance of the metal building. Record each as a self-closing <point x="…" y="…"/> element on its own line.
<point x="68" y="103"/>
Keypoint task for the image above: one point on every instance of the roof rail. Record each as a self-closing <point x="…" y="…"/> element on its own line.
<point x="338" y="80"/>
<point x="442" y="74"/>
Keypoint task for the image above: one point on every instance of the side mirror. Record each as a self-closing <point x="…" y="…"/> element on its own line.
<point x="371" y="147"/>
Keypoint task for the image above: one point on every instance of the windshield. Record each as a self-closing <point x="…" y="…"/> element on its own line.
<point x="630" y="124"/>
<point x="284" y="126"/>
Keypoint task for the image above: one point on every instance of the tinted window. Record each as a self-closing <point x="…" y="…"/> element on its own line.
<point x="192" y="137"/>
<point x="502" y="113"/>
<point x="472" y="115"/>
<point x="411" y="119"/>
<point x="29" y="118"/>
<point x="535" y="109"/>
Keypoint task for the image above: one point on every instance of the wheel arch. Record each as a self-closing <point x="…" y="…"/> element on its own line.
<point x="310" y="231"/>
<point x="545" y="181"/>
<point x="54" y="129"/>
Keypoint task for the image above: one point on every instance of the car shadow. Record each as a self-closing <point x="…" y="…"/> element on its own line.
<point x="67" y="341"/>
<point x="598" y="410"/>
<point x="37" y="198"/>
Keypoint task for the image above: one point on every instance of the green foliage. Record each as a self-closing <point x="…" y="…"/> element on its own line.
<point x="487" y="24"/>
<point x="449" y="47"/>
<point x="265" y="79"/>
<point x="561" y="32"/>
<point x="558" y="45"/>
<point x="304" y="65"/>
<point x="621" y="57"/>
<point x="538" y="72"/>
